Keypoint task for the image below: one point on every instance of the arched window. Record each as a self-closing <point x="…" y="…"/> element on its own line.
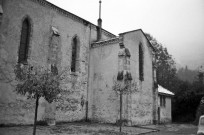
<point x="24" y="42"/>
<point x="75" y="55"/>
<point x="141" y="63"/>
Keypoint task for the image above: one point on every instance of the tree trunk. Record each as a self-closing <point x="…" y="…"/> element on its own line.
<point x="36" y="114"/>
<point x="121" y="105"/>
<point x="86" y="111"/>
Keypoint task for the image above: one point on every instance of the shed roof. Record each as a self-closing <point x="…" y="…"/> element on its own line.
<point x="162" y="90"/>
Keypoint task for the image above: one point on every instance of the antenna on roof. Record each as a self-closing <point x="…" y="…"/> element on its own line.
<point x="100" y="8"/>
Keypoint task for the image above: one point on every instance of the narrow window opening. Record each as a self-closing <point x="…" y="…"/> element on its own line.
<point x="162" y="101"/>
<point x="141" y="63"/>
<point x="74" y="55"/>
<point x="24" y="42"/>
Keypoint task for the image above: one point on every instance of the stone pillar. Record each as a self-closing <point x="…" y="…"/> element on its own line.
<point x="123" y="77"/>
<point x="50" y="108"/>
<point x="123" y="64"/>
<point x="53" y="50"/>
<point x="50" y="111"/>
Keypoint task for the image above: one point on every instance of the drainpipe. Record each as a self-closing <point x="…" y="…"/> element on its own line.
<point x="88" y="86"/>
<point x="155" y="93"/>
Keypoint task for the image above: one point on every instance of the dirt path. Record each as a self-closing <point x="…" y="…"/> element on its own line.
<point x="74" y="129"/>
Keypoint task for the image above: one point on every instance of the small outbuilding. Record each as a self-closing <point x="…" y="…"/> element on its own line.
<point x="164" y="105"/>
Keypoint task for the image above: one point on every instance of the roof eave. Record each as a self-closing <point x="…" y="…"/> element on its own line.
<point x="71" y="14"/>
<point x="166" y="94"/>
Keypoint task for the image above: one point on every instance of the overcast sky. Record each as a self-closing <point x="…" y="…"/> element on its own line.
<point x="177" y="24"/>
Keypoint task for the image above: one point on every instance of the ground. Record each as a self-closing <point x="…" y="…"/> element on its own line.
<point x="100" y="129"/>
<point x="174" y="129"/>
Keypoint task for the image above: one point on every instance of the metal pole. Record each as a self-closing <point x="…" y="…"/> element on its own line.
<point x="100" y="9"/>
<point x="36" y="115"/>
<point x="121" y="99"/>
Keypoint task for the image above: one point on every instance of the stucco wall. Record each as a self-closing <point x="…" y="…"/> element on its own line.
<point x="17" y="109"/>
<point x="103" y="68"/>
<point x="165" y="112"/>
<point x="103" y="102"/>
<point x="142" y="101"/>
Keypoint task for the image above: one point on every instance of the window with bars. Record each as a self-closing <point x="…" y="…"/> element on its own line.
<point x="75" y="52"/>
<point x="141" y="63"/>
<point x="24" y="42"/>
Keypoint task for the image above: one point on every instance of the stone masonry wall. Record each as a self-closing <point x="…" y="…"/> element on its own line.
<point x="17" y="109"/>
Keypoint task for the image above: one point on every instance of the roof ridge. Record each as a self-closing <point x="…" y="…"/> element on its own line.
<point x="105" y="42"/>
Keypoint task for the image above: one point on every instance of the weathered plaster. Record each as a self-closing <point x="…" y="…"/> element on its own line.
<point x="165" y="112"/>
<point x="96" y="69"/>
<point x="15" y="108"/>
<point x="137" y="107"/>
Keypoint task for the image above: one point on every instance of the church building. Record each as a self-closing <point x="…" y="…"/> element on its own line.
<point x="39" y="33"/>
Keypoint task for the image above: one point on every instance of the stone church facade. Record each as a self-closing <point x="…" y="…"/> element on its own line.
<point x="40" y="33"/>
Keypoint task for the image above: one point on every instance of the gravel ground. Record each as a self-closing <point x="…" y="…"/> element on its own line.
<point x="101" y="129"/>
<point x="74" y="129"/>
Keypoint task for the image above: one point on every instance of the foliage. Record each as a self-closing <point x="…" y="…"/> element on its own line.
<point x="165" y="65"/>
<point x="183" y="104"/>
<point x="125" y="87"/>
<point x="186" y="74"/>
<point x="199" y="88"/>
<point x="122" y="87"/>
<point x="37" y="82"/>
<point x="186" y="103"/>
<point x="187" y="95"/>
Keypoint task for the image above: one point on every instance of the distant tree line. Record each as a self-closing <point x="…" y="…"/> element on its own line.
<point x="186" y="84"/>
<point x="186" y="74"/>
